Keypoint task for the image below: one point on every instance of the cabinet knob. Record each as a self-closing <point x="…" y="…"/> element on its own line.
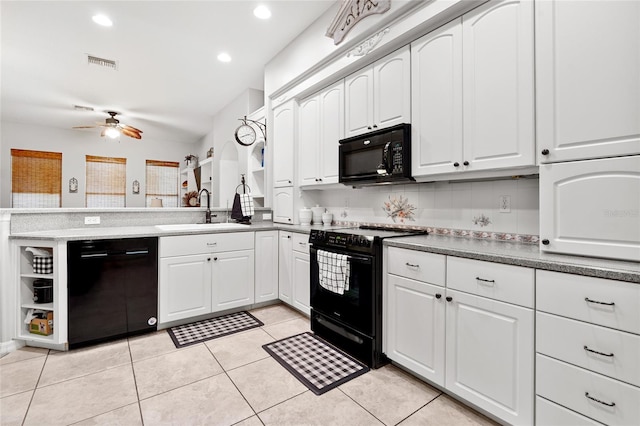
<point x="375" y="126"/>
<point x="319" y="179"/>
<point x="288" y="236"/>
<point x="438" y="295"/>
<point x="369" y="127"/>
<point x="215" y="258"/>
<point x="449" y="298"/>
<point x="456" y="164"/>
<point x="208" y="259"/>
<point x="545" y="152"/>
<point x="289" y="181"/>
<point x="545" y="242"/>
<point x="289" y="219"/>
<point x="466" y="163"/>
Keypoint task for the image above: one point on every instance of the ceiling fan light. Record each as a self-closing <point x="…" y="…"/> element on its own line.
<point x="102" y="20"/>
<point x="112" y="132"/>
<point x="262" y="12"/>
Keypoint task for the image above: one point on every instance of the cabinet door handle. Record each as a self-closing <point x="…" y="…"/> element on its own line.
<point x="545" y="152"/>
<point x="466" y="163"/>
<point x="586" y="299"/>
<point x="456" y="164"/>
<point x="368" y="127"/>
<point x="449" y="298"/>
<point x="208" y="259"/>
<point x="482" y="280"/>
<point x="586" y="348"/>
<point x="212" y="244"/>
<point x="438" y="295"/>
<point x="608" y="404"/>
<point x="375" y="126"/>
<point x="215" y="258"/>
<point x="545" y="242"/>
<point x="288" y="236"/>
<point x="411" y="265"/>
<point x="301" y="243"/>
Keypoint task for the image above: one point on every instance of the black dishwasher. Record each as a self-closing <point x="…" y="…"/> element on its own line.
<point x="112" y="288"/>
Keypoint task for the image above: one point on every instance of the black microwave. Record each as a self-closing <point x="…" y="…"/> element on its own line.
<point x="382" y="156"/>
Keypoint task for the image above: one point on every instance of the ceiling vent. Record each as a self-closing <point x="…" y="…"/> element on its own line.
<point x="101" y="62"/>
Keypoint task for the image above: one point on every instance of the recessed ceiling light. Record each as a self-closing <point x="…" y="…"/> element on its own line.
<point x="262" y="12"/>
<point x="224" y="57"/>
<point x="102" y="20"/>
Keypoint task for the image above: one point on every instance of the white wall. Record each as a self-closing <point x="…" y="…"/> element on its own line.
<point x="74" y="145"/>
<point x="222" y="139"/>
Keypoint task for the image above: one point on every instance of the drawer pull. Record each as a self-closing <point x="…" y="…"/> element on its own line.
<point x="302" y="243"/>
<point x="599" y="303"/>
<point x="586" y="348"/>
<point x="608" y="404"/>
<point x="485" y="281"/>
<point x="411" y="265"/>
<point x="212" y="244"/>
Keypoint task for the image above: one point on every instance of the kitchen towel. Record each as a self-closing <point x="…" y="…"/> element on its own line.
<point x="334" y="271"/>
<point x="236" y="210"/>
<point x="246" y="204"/>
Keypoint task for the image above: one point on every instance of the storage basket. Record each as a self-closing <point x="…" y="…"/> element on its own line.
<point x="42" y="264"/>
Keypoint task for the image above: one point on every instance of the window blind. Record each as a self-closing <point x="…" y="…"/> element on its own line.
<point x="162" y="182"/>
<point x="106" y="181"/>
<point x="36" y="178"/>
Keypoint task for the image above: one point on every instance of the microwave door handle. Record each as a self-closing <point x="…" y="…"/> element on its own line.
<point x="383" y="168"/>
<point x="388" y="158"/>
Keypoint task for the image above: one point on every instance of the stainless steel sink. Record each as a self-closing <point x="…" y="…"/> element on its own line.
<point x="199" y="226"/>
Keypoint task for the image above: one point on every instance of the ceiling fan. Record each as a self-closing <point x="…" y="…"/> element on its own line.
<point x="112" y="127"/>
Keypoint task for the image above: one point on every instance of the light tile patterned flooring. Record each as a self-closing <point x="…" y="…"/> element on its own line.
<point x="225" y="381"/>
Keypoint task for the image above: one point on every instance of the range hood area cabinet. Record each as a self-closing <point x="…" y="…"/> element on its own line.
<point x="379" y="95"/>
<point x="320" y="127"/>
<point x="587" y="84"/>
<point x="473" y="92"/>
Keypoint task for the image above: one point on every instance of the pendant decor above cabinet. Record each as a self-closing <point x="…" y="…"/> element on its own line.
<point x="351" y="12"/>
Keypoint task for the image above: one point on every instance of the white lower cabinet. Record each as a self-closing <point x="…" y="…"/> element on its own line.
<point x="185" y="287"/>
<point x="294" y="274"/>
<point x="266" y="269"/>
<point x="470" y="342"/>
<point x="588" y="347"/>
<point x="206" y="273"/>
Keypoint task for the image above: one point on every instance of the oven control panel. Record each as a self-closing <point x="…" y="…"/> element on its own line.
<point x="340" y="240"/>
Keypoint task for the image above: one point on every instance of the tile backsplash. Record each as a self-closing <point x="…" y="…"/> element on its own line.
<point x="473" y="206"/>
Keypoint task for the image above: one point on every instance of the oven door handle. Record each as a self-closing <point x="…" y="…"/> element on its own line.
<point x="359" y="259"/>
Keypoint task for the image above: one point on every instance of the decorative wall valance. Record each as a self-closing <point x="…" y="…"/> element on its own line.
<point x="351" y="12"/>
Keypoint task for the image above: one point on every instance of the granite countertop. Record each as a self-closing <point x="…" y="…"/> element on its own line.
<point x="513" y="253"/>
<point x="112" y="232"/>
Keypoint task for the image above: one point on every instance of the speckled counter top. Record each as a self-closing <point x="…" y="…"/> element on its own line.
<point x="112" y="232"/>
<point x="528" y="255"/>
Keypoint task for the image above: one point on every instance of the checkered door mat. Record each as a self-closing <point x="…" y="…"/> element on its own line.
<point x="317" y="364"/>
<point x="196" y="332"/>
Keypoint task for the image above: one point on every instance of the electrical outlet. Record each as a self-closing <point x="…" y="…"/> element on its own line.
<point x="266" y="216"/>
<point x="92" y="220"/>
<point x="505" y="204"/>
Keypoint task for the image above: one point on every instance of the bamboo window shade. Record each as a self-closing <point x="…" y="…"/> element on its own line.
<point x="36" y="178"/>
<point x="106" y="181"/>
<point x="162" y="182"/>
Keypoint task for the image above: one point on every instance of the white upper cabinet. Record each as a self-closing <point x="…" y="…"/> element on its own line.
<point x="587" y="79"/>
<point x="380" y="95"/>
<point x="498" y="86"/>
<point x="284" y="131"/>
<point x="590" y="207"/>
<point x="283" y="205"/>
<point x="436" y="101"/>
<point x="320" y="126"/>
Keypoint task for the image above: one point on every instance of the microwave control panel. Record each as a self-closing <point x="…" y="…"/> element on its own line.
<point x="396" y="157"/>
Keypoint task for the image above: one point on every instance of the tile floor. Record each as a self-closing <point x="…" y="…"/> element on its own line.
<point x="225" y="381"/>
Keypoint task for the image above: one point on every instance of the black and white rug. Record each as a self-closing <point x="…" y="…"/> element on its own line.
<point x="317" y="364"/>
<point x="196" y="332"/>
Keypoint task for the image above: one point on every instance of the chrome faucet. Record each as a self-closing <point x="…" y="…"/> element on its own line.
<point x="207" y="215"/>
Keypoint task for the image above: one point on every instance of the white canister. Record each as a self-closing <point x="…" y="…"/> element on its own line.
<point x="327" y="218"/>
<point x="317" y="214"/>
<point x="305" y="216"/>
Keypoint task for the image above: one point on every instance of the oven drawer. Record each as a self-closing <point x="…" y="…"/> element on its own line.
<point x="573" y="387"/>
<point x="417" y="265"/>
<point x="507" y="283"/>
<point x="300" y="242"/>
<point x="614" y="304"/>
<point x="603" y="350"/>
